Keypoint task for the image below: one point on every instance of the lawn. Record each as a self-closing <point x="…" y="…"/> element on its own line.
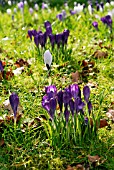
<point x="57" y="87"/>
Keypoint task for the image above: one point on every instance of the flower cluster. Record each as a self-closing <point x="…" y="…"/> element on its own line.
<point x="41" y="38"/>
<point x="107" y="20"/>
<point x="69" y="100"/>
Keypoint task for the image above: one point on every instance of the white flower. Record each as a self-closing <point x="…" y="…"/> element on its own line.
<point x="112" y="3"/>
<point x="36" y="7"/>
<point x="47" y="58"/>
<point x="78" y="8"/>
<point x="90" y="9"/>
<point x="8" y="11"/>
<point x="25" y="3"/>
<point x="15" y="10"/>
<point x="9" y="3"/>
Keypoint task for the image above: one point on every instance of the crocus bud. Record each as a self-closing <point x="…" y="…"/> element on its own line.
<point x="14" y="102"/>
<point x="47" y="59"/>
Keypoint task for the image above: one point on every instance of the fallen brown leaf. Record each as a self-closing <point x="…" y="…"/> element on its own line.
<point x="93" y="159"/>
<point x="100" y="54"/>
<point x="2" y="142"/>
<point x="75" y="76"/>
<point x="69" y="168"/>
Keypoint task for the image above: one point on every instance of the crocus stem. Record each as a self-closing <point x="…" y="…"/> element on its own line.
<point x="14" y="122"/>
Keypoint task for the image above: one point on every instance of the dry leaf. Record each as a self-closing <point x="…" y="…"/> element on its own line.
<point x="80" y="167"/>
<point x="103" y="123"/>
<point x="69" y="168"/>
<point x="75" y="77"/>
<point x="100" y="54"/>
<point x="110" y="114"/>
<point x="20" y="62"/>
<point x="2" y="142"/>
<point x="93" y="159"/>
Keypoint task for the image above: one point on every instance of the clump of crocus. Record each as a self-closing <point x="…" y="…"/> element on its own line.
<point x="95" y="25"/>
<point x="70" y="98"/>
<point x="60" y="39"/>
<point x="107" y="20"/>
<point x="14" y="102"/>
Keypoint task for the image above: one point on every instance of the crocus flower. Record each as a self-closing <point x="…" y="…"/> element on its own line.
<point x="20" y="5"/>
<point x="48" y="30"/>
<point x="86" y="93"/>
<point x="79" y="105"/>
<point x="60" y="99"/>
<point x="36" y="40"/>
<point x="1" y="66"/>
<point x="36" y="7"/>
<point x="47" y="24"/>
<point x="66" y="114"/>
<point x="95" y="25"/>
<point x="60" y="16"/>
<point x="59" y="38"/>
<point x="89" y="106"/>
<point x="42" y="39"/>
<point x="75" y="91"/>
<point x="44" y="6"/>
<point x="66" y="96"/>
<point x="14" y="102"/>
<point x="65" y="37"/>
<point x="71" y="105"/>
<point x="8" y="11"/>
<point x="51" y="88"/>
<point x="52" y="40"/>
<point x="107" y="20"/>
<point x="50" y="105"/>
<point x="72" y="12"/>
<point x="47" y="59"/>
<point x="31" y="10"/>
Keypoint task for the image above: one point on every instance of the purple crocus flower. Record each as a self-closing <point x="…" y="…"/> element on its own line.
<point x="71" y="105"/>
<point x="79" y="105"/>
<point x="20" y="5"/>
<point x="95" y="25"/>
<point x="49" y="104"/>
<point x="60" y="16"/>
<point x="48" y="30"/>
<point x="47" y="24"/>
<point x="107" y="20"/>
<point x="42" y="39"/>
<point x="72" y="12"/>
<point x="32" y="33"/>
<point x="36" y="40"/>
<point x="86" y="93"/>
<point x="60" y="99"/>
<point x="59" y="38"/>
<point x="66" y="96"/>
<point x="1" y="66"/>
<point x="14" y="102"/>
<point x="89" y="104"/>
<point x="51" y="88"/>
<point x="75" y="90"/>
<point x="52" y="40"/>
<point x="65" y="36"/>
<point x="66" y="114"/>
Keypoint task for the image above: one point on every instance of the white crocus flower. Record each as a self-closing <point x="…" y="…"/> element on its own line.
<point x="78" y="8"/>
<point x="90" y="9"/>
<point x="112" y="3"/>
<point x="15" y="10"/>
<point x="36" y="7"/>
<point x="8" y="11"/>
<point x="47" y="59"/>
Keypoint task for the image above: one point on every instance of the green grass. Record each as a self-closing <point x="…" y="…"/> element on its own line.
<point x="28" y="147"/>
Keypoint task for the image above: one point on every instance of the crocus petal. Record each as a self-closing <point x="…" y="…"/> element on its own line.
<point x="14" y="102"/>
<point x="86" y="93"/>
<point x="71" y="104"/>
<point x="53" y="104"/>
<point x="67" y="114"/>
<point x="60" y="99"/>
<point x="51" y="88"/>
